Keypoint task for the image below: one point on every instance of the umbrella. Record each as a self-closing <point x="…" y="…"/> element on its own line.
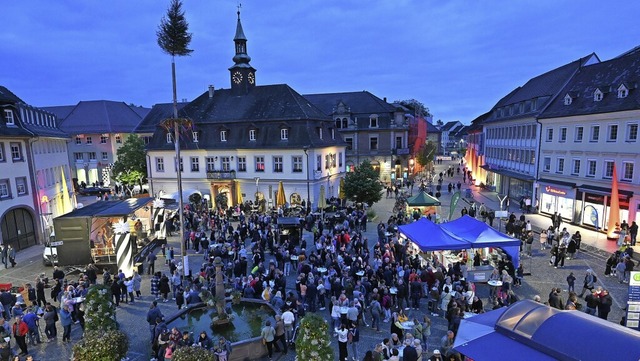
<point x="322" y="201"/>
<point x="239" y="199"/>
<point x="341" y="194"/>
<point x="281" y="198"/>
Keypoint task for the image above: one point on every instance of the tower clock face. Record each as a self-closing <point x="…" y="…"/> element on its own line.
<point x="237" y="77"/>
<point x="252" y="78"/>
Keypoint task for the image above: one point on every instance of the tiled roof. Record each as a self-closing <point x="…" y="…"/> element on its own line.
<point x="432" y="128"/>
<point x="267" y="102"/>
<point x="7" y="97"/>
<point x="362" y="102"/>
<point x="266" y="109"/>
<point x="543" y="87"/>
<point x="606" y="76"/>
<point x="156" y="115"/>
<point x="98" y="116"/>
<point x="359" y="107"/>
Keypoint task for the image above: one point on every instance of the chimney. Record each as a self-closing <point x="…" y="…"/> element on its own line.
<point x="385" y="99"/>
<point x="211" y="89"/>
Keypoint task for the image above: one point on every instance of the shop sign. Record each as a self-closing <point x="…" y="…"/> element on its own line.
<point x="633" y="301"/>
<point x="555" y="191"/>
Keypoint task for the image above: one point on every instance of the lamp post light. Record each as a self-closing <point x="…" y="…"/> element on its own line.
<point x="306" y="152"/>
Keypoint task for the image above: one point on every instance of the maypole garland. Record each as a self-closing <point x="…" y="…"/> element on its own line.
<point x="124" y="249"/>
<point x="160" y="228"/>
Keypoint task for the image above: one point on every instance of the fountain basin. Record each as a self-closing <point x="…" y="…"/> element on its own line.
<point x="249" y="317"/>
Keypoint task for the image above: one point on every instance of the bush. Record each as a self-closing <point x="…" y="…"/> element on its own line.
<point x="101" y="346"/>
<point x="313" y="342"/>
<point x="371" y="214"/>
<point x="100" y="312"/>
<point x="191" y="353"/>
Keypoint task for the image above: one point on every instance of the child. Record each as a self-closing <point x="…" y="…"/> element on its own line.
<point x="222" y="354"/>
<point x="571" y="280"/>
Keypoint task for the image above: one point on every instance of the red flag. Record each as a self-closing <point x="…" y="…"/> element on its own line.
<point x="614" y="208"/>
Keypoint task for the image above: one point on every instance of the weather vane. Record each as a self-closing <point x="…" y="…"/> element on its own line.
<point x="239" y="7"/>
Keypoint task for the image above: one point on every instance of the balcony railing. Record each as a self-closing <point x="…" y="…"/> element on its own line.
<point x="221" y="174"/>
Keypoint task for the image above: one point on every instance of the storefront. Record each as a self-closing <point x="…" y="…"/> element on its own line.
<point x="594" y="203"/>
<point x="556" y="196"/>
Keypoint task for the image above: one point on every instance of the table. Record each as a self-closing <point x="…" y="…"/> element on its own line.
<point x="78" y="299"/>
<point x="468" y="314"/>
<point x="494" y="283"/>
<point x="407" y="325"/>
<point x="322" y="270"/>
<point x="344" y="310"/>
<point x="294" y="258"/>
<point x="393" y="291"/>
<point x="360" y="273"/>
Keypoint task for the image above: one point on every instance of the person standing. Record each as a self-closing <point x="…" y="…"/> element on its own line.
<point x="5" y="340"/>
<point x="288" y="318"/>
<point x="571" y="280"/>
<point x="354" y="339"/>
<point x="4" y="256"/>
<point x="268" y="335"/>
<point x="66" y="321"/>
<point x="604" y="306"/>
<point x="50" y="317"/>
<point x="633" y="232"/>
<point x="11" y="253"/>
<point x="153" y="314"/>
<point x="280" y="336"/>
<point x="20" y="331"/>
<point x="589" y="281"/>
<point x="151" y="260"/>
<point x="342" y="332"/>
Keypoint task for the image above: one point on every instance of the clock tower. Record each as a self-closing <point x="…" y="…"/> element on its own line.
<point x="243" y="75"/>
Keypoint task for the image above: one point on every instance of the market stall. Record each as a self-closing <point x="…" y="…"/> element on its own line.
<point x="423" y="204"/>
<point x="482" y="236"/>
<point x="113" y="234"/>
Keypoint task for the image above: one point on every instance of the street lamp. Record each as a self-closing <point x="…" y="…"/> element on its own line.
<point x="306" y="152"/>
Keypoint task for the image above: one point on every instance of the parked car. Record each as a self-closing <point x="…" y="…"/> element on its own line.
<point x="93" y="191"/>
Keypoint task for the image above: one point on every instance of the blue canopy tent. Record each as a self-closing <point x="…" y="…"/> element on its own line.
<point x="530" y="330"/>
<point x="480" y="235"/>
<point x="428" y="236"/>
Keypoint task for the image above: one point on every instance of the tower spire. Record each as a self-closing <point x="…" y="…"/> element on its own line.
<point x="242" y="73"/>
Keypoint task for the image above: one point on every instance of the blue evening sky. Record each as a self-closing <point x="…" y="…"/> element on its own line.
<point x="457" y="57"/>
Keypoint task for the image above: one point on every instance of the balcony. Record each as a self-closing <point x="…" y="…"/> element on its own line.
<point x="221" y="174"/>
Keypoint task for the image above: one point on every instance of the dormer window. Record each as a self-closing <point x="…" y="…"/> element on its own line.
<point x="169" y="138"/>
<point x="223" y="135"/>
<point x="622" y="91"/>
<point x="252" y="135"/>
<point x="195" y="136"/>
<point x="8" y="115"/>
<point x="284" y="134"/>
<point x="597" y="95"/>
<point x="373" y="121"/>
<point x="567" y="99"/>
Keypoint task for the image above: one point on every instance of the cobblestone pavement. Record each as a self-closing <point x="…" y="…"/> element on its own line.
<point x="132" y="317"/>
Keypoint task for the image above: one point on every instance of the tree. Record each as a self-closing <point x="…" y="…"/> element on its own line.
<point x="313" y="343"/>
<point x="427" y="154"/>
<point x="418" y="108"/>
<point x="174" y="38"/>
<point x="131" y="166"/>
<point x="363" y="185"/>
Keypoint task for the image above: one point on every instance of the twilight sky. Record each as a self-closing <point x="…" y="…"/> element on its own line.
<point x="457" y="57"/>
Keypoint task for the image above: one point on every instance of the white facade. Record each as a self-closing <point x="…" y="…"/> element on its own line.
<point x="216" y="171"/>
<point x="92" y="156"/>
<point x="16" y="194"/>
<point x="51" y="162"/>
<point x="581" y="151"/>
